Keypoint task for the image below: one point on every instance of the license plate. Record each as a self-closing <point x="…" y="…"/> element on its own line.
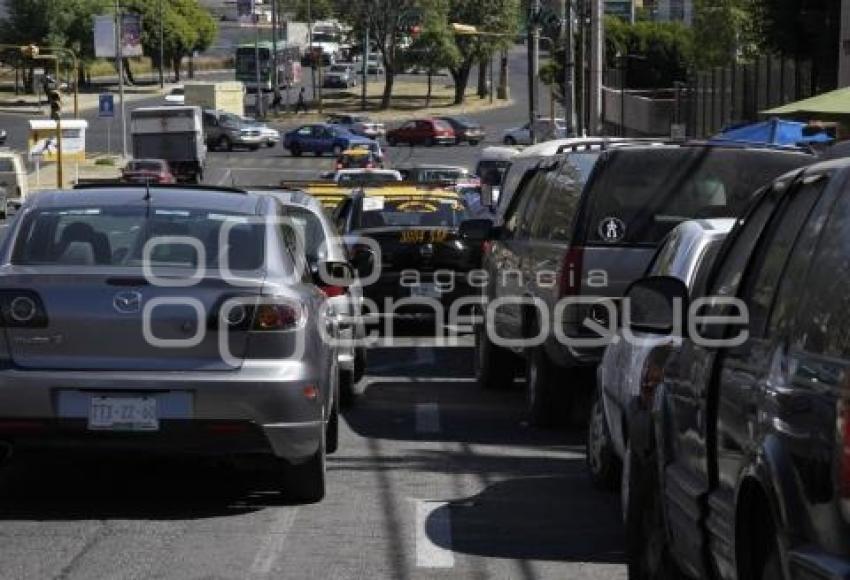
<point x="123" y="414"/>
<point x="425" y="291"/>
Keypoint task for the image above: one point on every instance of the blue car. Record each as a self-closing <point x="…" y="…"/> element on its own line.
<point x="321" y="138"/>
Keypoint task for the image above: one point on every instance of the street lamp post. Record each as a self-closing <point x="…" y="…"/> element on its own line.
<point x="161" y="47"/>
<point x="258" y="101"/>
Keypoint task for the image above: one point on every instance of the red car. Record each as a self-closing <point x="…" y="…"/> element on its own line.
<point x="148" y="170"/>
<point x="423" y="132"/>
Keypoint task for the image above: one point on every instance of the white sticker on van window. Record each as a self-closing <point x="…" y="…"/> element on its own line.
<point x="612" y="230"/>
<point x="373" y="203"/>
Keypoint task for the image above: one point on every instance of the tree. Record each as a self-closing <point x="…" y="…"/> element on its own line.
<point x="434" y="48"/>
<point x="665" y="51"/>
<point x="495" y="16"/>
<point x="720" y="31"/>
<point x="310" y="9"/>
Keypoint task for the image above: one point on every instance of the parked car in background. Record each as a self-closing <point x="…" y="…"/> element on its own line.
<point x="493" y="164"/>
<point x="147" y="171"/>
<point x="544" y="130"/>
<point x="686" y="254"/>
<point x="466" y="130"/>
<point x="427" y="132"/>
<point x="3" y="136"/>
<point x="227" y="131"/>
<point x="321" y="138"/>
<point x="359" y="158"/>
<point x="176" y="96"/>
<point x="13" y="179"/>
<point x="359" y="125"/>
<point x="740" y="447"/>
<point x="270" y="135"/>
<point x="108" y="385"/>
<point x="338" y="80"/>
<point x="375" y="64"/>
<point x="422" y="173"/>
<point x="586" y="212"/>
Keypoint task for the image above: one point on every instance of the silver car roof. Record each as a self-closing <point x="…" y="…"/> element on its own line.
<point x="202" y="198"/>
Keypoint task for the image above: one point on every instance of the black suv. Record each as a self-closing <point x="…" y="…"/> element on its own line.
<point x="739" y="456"/>
<point x="582" y="226"/>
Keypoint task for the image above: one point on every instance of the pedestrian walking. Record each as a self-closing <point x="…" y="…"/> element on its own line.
<point x="300" y="105"/>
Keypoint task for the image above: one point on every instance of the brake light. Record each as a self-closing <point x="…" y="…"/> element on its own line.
<point x="276" y="317"/>
<point x="844" y="432"/>
<point x="332" y="291"/>
<point x="570" y="283"/>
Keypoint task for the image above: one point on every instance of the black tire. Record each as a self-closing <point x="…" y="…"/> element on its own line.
<point x="495" y="367"/>
<point x="360" y="358"/>
<point x="429" y="142"/>
<point x="391" y="142"/>
<point x="305" y="482"/>
<point x="317" y="153"/>
<point x="332" y="429"/>
<point x="603" y="464"/>
<point x="346" y="389"/>
<point x="647" y="546"/>
<point x="509" y="141"/>
<point x="269" y="144"/>
<point x="474" y="143"/>
<point x="541" y="404"/>
<point x="295" y="150"/>
<point x="225" y="143"/>
<point x="253" y="147"/>
<point x="773" y="566"/>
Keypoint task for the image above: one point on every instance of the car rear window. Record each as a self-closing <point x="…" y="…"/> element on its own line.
<point x="641" y="195"/>
<point x="144" y="166"/>
<point x="441" y="125"/>
<point x="116" y="236"/>
<point x="314" y="234"/>
<point x="413" y="211"/>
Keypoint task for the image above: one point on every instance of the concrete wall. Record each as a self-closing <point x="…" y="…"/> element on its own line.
<point x="644" y="115"/>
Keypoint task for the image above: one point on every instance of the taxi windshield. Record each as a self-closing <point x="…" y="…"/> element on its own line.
<point x="413" y="211"/>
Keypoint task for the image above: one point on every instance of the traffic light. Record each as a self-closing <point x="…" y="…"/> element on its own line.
<point x="54" y="99"/>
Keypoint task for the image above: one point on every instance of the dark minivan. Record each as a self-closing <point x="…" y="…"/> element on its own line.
<point x="583" y="226"/>
<point x="739" y="455"/>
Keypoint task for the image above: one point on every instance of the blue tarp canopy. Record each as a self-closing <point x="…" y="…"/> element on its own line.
<point x="771" y="132"/>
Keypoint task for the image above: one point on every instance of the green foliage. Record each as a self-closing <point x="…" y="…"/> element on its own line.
<point x="665" y="51"/>
<point x="187" y="27"/>
<point x="720" y="30"/>
<point x="434" y="48"/>
<point x="315" y="9"/>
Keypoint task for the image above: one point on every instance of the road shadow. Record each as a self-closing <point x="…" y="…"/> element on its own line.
<point x="82" y="487"/>
<point x="556" y="518"/>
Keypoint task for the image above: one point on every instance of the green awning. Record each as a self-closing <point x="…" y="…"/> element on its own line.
<point x="833" y="103"/>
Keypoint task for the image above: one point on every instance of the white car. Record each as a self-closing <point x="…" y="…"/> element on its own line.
<point x="687" y="253"/>
<point x="176" y="96"/>
<point x="269" y="135"/>
<point x="544" y="130"/>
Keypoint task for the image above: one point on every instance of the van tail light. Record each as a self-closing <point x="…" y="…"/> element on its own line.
<point x="332" y="291"/>
<point x="268" y="317"/>
<point x="23" y="309"/>
<point x="571" y="272"/>
<point x="844" y="433"/>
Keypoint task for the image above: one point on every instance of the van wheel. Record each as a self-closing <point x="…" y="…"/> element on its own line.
<point x="647" y="547"/>
<point x="540" y="399"/>
<point x="305" y="482"/>
<point x="510" y="141"/>
<point x="295" y="150"/>
<point x="495" y="367"/>
<point x="473" y="143"/>
<point x="602" y="462"/>
<point x="225" y="143"/>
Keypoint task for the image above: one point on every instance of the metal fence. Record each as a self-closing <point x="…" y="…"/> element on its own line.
<point x="720" y="97"/>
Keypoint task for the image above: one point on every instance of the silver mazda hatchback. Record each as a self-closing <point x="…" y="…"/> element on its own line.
<point x="169" y="319"/>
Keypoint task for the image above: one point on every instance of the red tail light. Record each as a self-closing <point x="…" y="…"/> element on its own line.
<point x="844" y="432"/>
<point x="571" y="274"/>
<point x="333" y="291"/>
<point x="276" y="317"/>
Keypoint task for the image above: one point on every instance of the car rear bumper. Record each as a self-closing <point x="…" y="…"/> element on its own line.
<point x="444" y="139"/>
<point x="253" y="410"/>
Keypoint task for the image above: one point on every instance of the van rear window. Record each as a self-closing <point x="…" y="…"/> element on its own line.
<point x="641" y="195"/>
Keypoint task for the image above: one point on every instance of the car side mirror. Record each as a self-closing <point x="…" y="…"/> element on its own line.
<point x="657" y="305"/>
<point x="332" y="273"/>
<point x="477" y="230"/>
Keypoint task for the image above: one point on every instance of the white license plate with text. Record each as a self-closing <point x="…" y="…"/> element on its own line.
<point x="123" y="414"/>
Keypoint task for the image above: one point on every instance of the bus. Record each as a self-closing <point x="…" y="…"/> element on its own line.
<point x="289" y="65"/>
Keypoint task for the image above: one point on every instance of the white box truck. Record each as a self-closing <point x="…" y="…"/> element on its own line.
<point x="226" y="96"/>
<point x="175" y="134"/>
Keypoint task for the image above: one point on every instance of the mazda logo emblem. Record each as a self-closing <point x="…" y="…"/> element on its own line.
<point x="128" y="302"/>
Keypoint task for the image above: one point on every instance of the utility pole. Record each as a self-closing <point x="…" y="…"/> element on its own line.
<point x="275" y="61"/>
<point x="119" y="64"/>
<point x="313" y="62"/>
<point x="365" y="68"/>
<point x="569" y="69"/>
<point x="533" y="64"/>
<point x="161" y="47"/>
<point x="597" y="52"/>
<point x="259" y="91"/>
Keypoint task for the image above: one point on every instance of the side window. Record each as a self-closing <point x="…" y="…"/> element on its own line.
<point x="518" y="206"/>
<point x="775" y="246"/>
<point x="290" y="247"/>
<point x="210" y="120"/>
<point x="824" y="314"/>
<point x="341" y="215"/>
<point x="305" y="131"/>
<point x="537" y="188"/>
<point x="559" y="207"/>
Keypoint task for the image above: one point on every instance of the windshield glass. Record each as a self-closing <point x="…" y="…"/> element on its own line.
<point x="652" y="191"/>
<point x="349" y="179"/>
<point x="422" y="211"/>
<point x="314" y="236"/>
<point x="116" y="236"/>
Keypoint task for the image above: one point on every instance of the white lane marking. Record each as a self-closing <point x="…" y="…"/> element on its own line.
<point x="433" y="534"/>
<point x="226" y="177"/>
<point x="274" y="541"/>
<point x="427" y="418"/>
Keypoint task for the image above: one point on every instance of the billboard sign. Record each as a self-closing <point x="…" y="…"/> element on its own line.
<point x="104" y="35"/>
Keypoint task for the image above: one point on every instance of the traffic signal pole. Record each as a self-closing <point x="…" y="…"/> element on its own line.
<point x="54" y="98"/>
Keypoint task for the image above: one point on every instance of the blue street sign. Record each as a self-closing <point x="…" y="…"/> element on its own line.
<point x="106" y="106"/>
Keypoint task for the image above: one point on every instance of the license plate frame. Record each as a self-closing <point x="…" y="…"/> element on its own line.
<point x="130" y="413"/>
